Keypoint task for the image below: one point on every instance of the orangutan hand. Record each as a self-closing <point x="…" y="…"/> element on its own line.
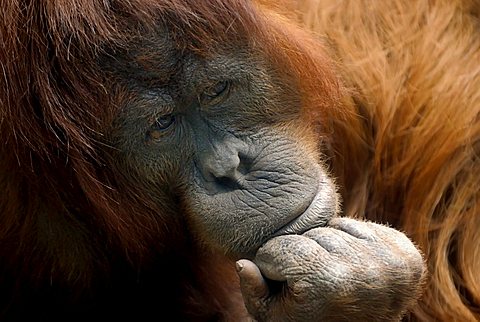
<point x="348" y="271"/>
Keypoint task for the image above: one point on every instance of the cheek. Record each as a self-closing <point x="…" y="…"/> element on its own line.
<point x="162" y="161"/>
<point x="283" y="180"/>
<point x="168" y="168"/>
<point x="158" y="164"/>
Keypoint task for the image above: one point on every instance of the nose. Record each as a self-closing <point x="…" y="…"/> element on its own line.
<point x="221" y="163"/>
<point x="224" y="164"/>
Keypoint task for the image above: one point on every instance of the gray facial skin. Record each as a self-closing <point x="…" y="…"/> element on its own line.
<point x="224" y="135"/>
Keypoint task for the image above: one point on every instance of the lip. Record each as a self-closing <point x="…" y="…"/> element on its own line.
<point x="318" y="213"/>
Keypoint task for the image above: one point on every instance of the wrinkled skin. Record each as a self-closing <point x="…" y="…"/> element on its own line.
<point x="342" y="272"/>
<point x="224" y="136"/>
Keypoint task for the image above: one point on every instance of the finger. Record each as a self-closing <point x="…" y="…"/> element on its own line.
<point x="397" y="241"/>
<point x="394" y="247"/>
<point x="284" y="257"/>
<point x="368" y="230"/>
<point x="336" y="241"/>
<point x="253" y="286"/>
<point x="357" y="228"/>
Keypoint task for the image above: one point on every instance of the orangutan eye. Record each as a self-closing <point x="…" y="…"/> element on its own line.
<point x="163" y="122"/>
<point x="215" y="93"/>
<point x="160" y="127"/>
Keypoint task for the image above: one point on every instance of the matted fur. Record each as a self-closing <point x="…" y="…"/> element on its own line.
<point x="414" y="71"/>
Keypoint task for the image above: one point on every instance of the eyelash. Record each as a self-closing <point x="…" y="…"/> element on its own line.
<point x="164" y="122"/>
<point x="215" y="93"/>
<point x="161" y="126"/>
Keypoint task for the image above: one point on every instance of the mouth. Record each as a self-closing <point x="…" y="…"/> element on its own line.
<point x="322" y="208"/>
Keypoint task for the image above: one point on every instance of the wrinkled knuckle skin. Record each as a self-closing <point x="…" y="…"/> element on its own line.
<point x="350" y="276"/>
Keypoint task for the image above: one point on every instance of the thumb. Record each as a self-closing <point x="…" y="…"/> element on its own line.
<point x="254" y="287"/>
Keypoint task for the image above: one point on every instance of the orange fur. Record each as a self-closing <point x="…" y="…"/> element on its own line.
<point x="400" y="130"/>
<point x="414" y="72"/>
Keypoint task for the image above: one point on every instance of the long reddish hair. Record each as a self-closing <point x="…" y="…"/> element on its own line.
<point x="414" y="75"/>
<point x="56" y="107"/>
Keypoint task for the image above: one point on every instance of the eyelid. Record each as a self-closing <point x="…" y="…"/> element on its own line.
<point x="160" y="110"/>
<point x="216" y="89"/>
<point x="154" y="133"/>
<point x="169" y="120"/>
<point x="206" y="99"/>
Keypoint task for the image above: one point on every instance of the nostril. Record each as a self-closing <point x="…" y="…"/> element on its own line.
<point x="221" y="177"/>
<point x="227" y="183"/>
<point x="224" y="170"/>
<point x="245" y="165"/>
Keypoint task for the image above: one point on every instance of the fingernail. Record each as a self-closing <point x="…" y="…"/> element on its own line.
<point x="239" y="266"/>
